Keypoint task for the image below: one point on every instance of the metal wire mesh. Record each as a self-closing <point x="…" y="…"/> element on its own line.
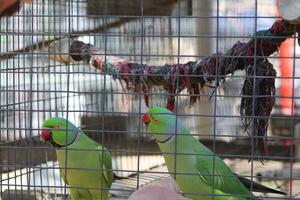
<point x="40" y="79"/>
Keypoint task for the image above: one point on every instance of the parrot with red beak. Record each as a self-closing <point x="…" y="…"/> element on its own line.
<point x="85" y="166"/>
<point x="200" y="174"/>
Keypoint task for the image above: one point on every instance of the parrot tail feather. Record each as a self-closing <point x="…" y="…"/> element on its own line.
<point x="256" y="187"/>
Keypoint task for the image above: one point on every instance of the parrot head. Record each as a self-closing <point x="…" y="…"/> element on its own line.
<point x="161" y="123"/>
<point x="59" y="132"/>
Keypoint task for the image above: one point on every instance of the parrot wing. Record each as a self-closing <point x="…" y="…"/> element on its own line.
<point x="227" y="181"/>
<point x="221" y="178"/>
<point x="107" y="165"/>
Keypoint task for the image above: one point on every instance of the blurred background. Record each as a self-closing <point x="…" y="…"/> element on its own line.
<point x="34" y="87"/>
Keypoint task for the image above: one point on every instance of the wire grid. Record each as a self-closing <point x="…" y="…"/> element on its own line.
<point x="35" y="87"/>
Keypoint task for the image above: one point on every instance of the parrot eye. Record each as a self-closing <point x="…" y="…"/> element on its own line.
<point x="156" y="121"/>
<point x="58" y="126"/>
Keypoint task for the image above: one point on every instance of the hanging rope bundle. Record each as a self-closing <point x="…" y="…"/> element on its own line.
<point x="257" y="93"/>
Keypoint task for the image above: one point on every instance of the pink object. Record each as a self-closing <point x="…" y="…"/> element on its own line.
<point x="166" y="189"/>
<point x="100" y="62"/>
<point x="287" y="104"/>
<point x="286" y="52"/>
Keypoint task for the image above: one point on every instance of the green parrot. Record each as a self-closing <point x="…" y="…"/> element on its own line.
<point x="200" y="174"/>
<point x="85" y="166"/>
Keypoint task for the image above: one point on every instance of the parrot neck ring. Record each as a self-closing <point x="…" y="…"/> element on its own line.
<point x="75" y="134"/>
<point x="166" y="140"/>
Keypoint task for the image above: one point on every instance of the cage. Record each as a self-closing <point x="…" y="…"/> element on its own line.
<point x="226" y="68"/>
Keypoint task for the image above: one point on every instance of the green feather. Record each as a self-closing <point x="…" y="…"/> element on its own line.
<point x="197" y="170"/>
<point x="85" y="165"/>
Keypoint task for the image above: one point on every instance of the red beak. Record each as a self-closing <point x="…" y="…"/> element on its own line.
<point x="146" y="118"/>
<point x="45" y="135"/>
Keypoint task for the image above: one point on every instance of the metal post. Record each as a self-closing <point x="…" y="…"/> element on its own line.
<point x="203" y="48"/>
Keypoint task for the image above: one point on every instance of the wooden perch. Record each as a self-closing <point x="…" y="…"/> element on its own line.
<point x="43" y="44"/>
